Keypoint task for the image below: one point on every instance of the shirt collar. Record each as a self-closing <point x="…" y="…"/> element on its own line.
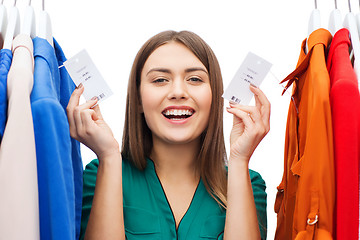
<point x="43" y="49"/>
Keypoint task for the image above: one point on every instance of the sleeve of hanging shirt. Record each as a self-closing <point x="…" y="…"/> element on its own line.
<point x="67" y="86"/>
<point x="5" y="62"/>
<point x="345" y="119"/>
<point x="18" y="174"/>
<point x="53" y="151"/>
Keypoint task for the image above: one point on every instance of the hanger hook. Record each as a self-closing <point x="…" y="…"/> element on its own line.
<point x="29" y="2"/>
<point x="336" y="4"/>
<point x="15" y="3"/>
<point x="43" y="5"/>
<point x="349" y="5"/>
<point x="315" y="4"/>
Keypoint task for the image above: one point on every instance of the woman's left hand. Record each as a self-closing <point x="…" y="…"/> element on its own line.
<point x="251" y="124"/>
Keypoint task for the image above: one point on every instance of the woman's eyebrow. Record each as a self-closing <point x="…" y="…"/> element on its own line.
<point x="196" y="69"/>
<point x="187" y="70"/>
<point x="163" y="70"/>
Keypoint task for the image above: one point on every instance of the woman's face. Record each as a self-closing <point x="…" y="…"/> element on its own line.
<point x="175" y="94"/>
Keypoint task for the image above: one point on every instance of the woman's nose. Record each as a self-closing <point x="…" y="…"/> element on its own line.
<point x="178" y="90"/>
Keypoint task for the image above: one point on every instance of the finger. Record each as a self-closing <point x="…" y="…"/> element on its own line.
<point x="265" y="113"/>
<point x="256" y="117"/>
<point x="79" y="127"/>
<point x="73" y="102"/>
<point x="253" y="111"/>
<point x="96" y="108"/>
<point x="75" y="97"/>
<point x="262" y="103"/>
<point x="262" y="99"/>
<point x="88" y="116"/>
<point x="77" y="120"/>
<point x="257" y="102"/>
<point x="241" y="115"/>
<point x="89" y="104"/>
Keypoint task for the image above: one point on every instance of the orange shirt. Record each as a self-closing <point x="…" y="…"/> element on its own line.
<point x="306" y="196"/>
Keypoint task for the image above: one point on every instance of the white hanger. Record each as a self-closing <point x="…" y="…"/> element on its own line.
<point x="335" y="20"/>
<point x="358" y="20"/>
<point x="314" y="22"/>
<point x="350" y="24"/>
<point x="3" y="23"/>
<point x="13" y="27"/>
<point x="45" y="30"/>
<point x="29" y="24"/>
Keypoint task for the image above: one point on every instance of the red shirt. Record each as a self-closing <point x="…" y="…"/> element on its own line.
<point x="345" y="102"/>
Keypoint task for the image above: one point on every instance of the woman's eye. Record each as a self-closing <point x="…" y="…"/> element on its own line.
<point x="160" y="80"/>
<point x="195" y="79"/>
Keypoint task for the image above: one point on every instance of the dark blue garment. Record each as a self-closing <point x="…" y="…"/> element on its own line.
<point x="53" y="148"/>
<point x="67" y="86"/>
<point x="5" y="63"/>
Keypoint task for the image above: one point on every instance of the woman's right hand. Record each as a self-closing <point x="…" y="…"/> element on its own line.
<point x="88" y="126"/>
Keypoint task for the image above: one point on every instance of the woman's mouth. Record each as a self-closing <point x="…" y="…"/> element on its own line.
<point x="177" y="114"/>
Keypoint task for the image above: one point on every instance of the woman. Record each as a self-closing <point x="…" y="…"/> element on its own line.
<point x="170" y="181"/>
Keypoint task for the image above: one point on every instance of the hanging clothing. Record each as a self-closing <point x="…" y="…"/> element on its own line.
<point x="5" y="62"/>
<point x="67" y="86"/>
<point x="306" y="195"/>
<point x="53" y="148"/>
<point x="345" y="103"/>
<point x="148" y="215"/>
<point x="19" y="205"/>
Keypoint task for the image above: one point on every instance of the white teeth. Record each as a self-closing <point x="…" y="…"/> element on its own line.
<point x="178" y="112"/>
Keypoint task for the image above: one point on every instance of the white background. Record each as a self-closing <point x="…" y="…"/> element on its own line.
<point x="113" y="31"/>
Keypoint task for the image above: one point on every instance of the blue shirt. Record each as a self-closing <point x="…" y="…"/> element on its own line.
<point x="53" y="148"/>
<point x="5" y="63"/>
<point x="67" y="86"/>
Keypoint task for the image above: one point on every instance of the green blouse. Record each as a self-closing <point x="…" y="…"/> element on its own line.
<point x="147" y="213"/>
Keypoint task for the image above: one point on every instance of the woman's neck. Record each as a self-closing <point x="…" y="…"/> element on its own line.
<point x="174" y="161"/>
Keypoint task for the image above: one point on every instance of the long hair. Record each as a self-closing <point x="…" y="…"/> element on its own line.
<point x="137" y="138"/>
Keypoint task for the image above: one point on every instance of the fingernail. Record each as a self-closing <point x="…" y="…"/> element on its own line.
<point x="228" y="108"/>
<point x="252" y="85"/>
<point x="235" y="104"/>
<point x="94" y="98"/>
<point x="79" y="86"/>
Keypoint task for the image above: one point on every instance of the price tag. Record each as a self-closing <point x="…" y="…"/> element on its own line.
<point x="82" y="70"/>
<point x="253" y="70"/>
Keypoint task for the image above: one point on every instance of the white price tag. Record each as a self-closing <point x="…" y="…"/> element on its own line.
<point x="253" y="70"/>
<point x="82" y="70"/>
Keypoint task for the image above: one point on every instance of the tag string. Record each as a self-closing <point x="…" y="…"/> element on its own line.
<point x="292" y="98"/>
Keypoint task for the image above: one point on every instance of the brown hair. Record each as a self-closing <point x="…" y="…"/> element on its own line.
<point x="137" y="138"/>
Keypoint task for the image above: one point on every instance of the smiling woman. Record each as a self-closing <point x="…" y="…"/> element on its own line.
<point x="170" y="180"/>
<point x="181" y="84"/>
